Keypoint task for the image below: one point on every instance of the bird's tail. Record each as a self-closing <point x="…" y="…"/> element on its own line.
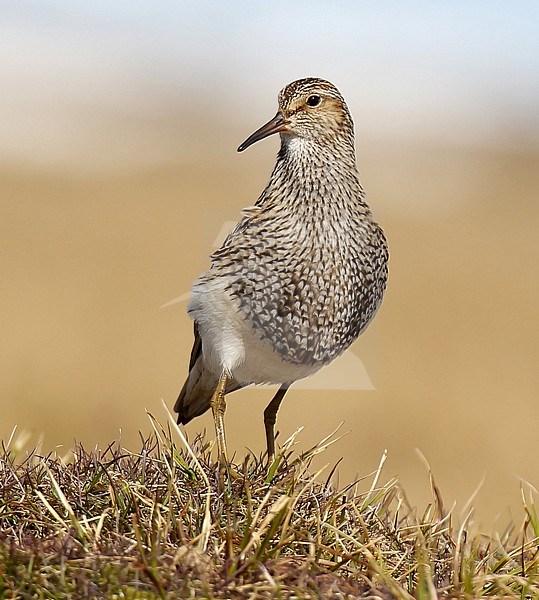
<point x="197" y="391"/>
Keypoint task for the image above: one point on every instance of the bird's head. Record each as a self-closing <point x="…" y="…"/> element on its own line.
<point x="310" y="109"/>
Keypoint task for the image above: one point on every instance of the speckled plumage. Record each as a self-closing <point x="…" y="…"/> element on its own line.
<point x="304" y="271"/>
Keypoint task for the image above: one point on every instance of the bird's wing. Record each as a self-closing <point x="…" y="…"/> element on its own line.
<point x="196" y="351"/>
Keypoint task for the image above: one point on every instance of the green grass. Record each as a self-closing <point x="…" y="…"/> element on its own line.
<point x="155" y="524"/>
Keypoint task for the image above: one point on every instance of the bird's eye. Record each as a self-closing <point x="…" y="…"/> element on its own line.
<point x="313" y="100"/>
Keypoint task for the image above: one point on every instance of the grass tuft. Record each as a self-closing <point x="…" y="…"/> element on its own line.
<point x="154" y="524"/>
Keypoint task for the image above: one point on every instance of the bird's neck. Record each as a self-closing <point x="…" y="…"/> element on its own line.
<point x="316" y="176"/>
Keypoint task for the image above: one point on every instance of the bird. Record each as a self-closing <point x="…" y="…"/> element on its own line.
<point x="300" y="276"/>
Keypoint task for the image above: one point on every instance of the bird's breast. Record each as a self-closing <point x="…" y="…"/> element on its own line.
<point x="309" y="297"/>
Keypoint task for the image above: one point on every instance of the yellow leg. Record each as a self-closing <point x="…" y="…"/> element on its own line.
<point x="218" y="407"/>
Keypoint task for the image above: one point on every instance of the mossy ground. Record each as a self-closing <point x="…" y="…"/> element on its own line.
<point x="158" y="523"/>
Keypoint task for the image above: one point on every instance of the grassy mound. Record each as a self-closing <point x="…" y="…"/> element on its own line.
<point x="157" y="524"/>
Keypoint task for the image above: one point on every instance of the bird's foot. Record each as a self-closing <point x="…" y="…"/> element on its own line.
<point x="227" y="473"/>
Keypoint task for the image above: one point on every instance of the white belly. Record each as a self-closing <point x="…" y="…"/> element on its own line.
<point x="229" y="343"/>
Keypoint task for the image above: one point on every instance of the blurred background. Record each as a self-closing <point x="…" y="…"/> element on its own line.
<point x="118" y="172"/>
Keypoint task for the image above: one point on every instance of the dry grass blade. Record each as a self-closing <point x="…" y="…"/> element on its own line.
<point x="206" y="523"/>
<point x="82" y="534"/>
<point x="155" y="524"/>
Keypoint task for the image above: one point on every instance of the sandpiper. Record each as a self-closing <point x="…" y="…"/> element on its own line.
<point x="300" y="276"/>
